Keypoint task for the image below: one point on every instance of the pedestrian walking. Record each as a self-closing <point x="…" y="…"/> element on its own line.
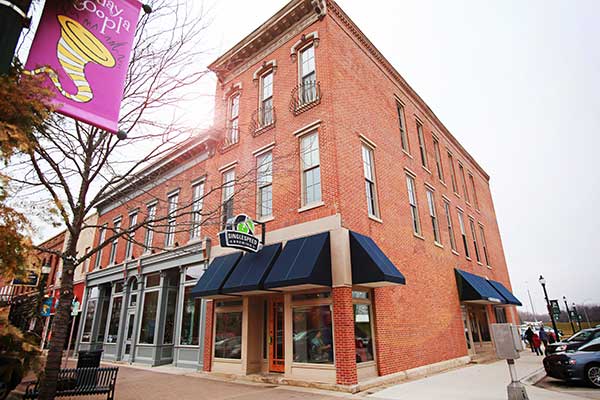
<point x="537" y="343"/>
<point x="529" y="338"/>
<point x="544" y="337"/>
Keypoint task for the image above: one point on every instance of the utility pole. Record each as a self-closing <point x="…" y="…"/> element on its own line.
<point x="13" y="18"/>
<point x="569" y="313"/>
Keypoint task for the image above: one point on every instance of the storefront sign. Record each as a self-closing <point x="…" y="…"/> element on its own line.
<point x="239" y="234"/>
<point x="31" y="279"/>
<point x="83" y="47"/>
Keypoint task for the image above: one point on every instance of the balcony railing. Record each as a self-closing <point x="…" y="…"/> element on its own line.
<point x="232" y="136"/>
<point x="305" y="96"/>
<point x="262" y="119"/>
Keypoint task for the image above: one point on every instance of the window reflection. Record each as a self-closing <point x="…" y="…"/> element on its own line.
<point x="228" y="335"/>
<point x="313" y="340"/>
<point x="362" y="333"/>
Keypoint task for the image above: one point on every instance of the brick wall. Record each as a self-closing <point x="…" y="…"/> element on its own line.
<point x="343" y="336"/>
<point x="208" y="336"/>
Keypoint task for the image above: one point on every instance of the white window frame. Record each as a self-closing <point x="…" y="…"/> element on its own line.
<point x="452" y="172"/>
<point x="308" y="94"/>
<point x="115" y="242"/>
<point x="197" y="204"/>
<point x="266" y="115"/>
<point x="472" y="182"/>
<point x="451" y="236"/>
<point x="368" y="159"/>
<point x="149" y="235"/>
<point x="227" y="193"/>
<point x="461" y="171"/>
<point x="433" y="216"/>
<point x="233" y="121"/>
<point x="172" y="204"/>
<point x="131" y="235"/>
<point x="102" y="238"/>
<point x="308" y="169"/>
<point x="414" y="204"/>
<point x="475" y="244"/>
<point x="264" y="181"/>
<point x="422" y="146"/>
<point x="404" y="142"/>
<point x="463" y="232"/>
<point x="484" y="245"/>
<point x="438" y="159"/>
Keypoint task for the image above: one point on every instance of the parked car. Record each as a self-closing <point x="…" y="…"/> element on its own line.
<point x="575" y="342"/>
<point x="576" y="365"/>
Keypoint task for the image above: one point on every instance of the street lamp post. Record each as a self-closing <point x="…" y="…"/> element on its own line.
<point x="569" y="313"/>
<point x="543" y="283"/>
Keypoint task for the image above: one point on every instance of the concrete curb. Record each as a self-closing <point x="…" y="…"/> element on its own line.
<point x="534" y="377"/>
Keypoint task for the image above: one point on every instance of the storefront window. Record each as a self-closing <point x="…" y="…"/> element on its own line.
<point x="500" y="315"/>
<point x="103" y="317"/>
<point x="149" y="317"/>
<point x="133" y="294"/>
<point x="115" y="315"/>
<point x="170" y="317"/>
<point x="313" y="339"/>
<point x="228" y="335"/>
<point x="190" y="320"/>
<point x="362" y="333"/>
<point x="86" y="337"/>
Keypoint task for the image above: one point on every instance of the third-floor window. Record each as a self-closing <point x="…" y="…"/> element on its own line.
<point x="264" y="181"/>
<point x="131" y="236"/>
<point x="311" y="169"/>
<point x="115" y="242"/>
<point x="228" y="190"/>
<point x="369" y="172"/>
<point x="308" y="75"/>
<point x="233" y="128"/>
<point x="422" y="148"/>
<point x="452" y="173"/>
<point x="266" y="99"/>
<point x="438" y="159"/>
<point x="197" y="201"/>
<point x="172" y="201"/>
<point x="463" y="182"/>
<point x="149" y="236"/>
<point x="402" y="123"/>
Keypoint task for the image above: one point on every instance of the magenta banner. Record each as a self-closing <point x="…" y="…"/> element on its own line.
<point x="84" y="50"/>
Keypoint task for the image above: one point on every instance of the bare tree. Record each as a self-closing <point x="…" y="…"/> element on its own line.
<point x="72" y="166"/>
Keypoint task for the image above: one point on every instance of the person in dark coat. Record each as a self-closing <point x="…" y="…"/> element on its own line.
<point x="544" y="337"/>
<point x="529" y="337"/>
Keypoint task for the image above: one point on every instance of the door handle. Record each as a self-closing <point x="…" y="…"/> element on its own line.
<point x="270" y="339"/>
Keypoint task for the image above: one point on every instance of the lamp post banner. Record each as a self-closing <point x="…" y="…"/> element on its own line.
<point x="83" y="48"/>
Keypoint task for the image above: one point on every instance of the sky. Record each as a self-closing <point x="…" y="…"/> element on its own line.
<point x="517" y="83"/>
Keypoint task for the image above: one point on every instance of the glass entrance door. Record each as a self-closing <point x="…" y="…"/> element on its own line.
<point x="276" y="337"/>
<point x="129" y="335"/>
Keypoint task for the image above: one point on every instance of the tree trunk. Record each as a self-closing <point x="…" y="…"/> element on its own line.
<point x="60" y="328"/>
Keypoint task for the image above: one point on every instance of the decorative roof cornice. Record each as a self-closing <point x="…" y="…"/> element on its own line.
<point x="303" y="12"/>
<point x="335" y="10"/>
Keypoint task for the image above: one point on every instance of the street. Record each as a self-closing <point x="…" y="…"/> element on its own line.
<point x="573" y="389"/>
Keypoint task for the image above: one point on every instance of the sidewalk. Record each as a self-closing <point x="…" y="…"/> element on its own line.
<point x="475" y="382"/>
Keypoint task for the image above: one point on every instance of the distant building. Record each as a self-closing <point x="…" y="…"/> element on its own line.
<point x="382" y="250"/>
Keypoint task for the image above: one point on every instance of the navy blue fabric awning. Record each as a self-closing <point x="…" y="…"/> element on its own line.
<point x="303" y="263"/>
<point x="251" y="271"/>
<point x="510" y="298"/>
<point x="474" y="288"/>
<point x="370" y="265"/>
<point x="211" y="282"/>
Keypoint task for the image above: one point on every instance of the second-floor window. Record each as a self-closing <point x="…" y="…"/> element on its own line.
<point x="264" y="181"/>
<point x="452" y="173"/>
<point x="433" y="216"/>
<point x="369" y="172"/>
<point x="463" y="233"/>
<point x="308" y="75"/>
<point x="233" y="129"/>
<point x="311" y="169"/>
<point x="266" y="99"/>
<point x="450" y="227"/>
<point x="228" y="190"/>
<point x="474" y="235"/>
<point x="197" y="202"/>
<point x="149" y="236"/>
<point x="115" y="242"/>
<point x="131" y="238"/>
<point x="100" y="241"/>
<point x="402" y="123"/>
<point x="484" y="246"/>
<point x="422" y="148"/>
<point x="412" y="200"/>
<point x="172" y="201"/>
<point x="438" y="159"/>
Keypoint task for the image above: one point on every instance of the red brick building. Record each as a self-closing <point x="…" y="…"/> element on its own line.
<point x="382" y="252"/>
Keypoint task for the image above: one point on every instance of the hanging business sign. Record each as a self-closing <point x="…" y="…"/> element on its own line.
<point x="83" y="47"/>
<point x="30" y="279"/>
<point x="239" y="234"/>
<point x="47" y="307"/>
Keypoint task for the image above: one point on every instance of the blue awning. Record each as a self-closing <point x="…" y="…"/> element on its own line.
<point x="211" y="282"/>
<point x="475" y="289"/>
<point x="370" y="266"/>
<point x="510" y="298"/>
<point x="304" y="263"/>
<point x="250" y="273"/>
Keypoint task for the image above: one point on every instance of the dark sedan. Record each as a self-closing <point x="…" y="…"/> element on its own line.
<point x="574" y="342"/>
<point x="578" y="365"/>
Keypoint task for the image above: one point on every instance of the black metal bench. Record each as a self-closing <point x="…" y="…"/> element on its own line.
<point x="80" y="382"/>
